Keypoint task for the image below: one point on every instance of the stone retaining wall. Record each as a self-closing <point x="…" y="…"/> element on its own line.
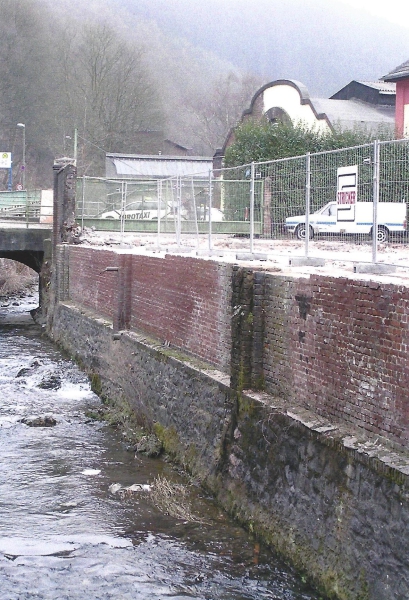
<point x="329" y="502"/>
<point x="285" y="396"/>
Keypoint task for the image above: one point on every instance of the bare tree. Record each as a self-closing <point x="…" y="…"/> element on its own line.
<point x="219" y="109"/>
<point x="25" y="73"/>
<point x="110" y="95"/>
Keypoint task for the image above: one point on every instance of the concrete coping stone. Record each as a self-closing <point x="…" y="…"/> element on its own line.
<point x="181" y="250"/>
<point x="154" y="249"/>
<point x="210" y="253"/>
<point x="374" y="268"/>
<point x="306" y="261"/>
<point x="251" y="256"/>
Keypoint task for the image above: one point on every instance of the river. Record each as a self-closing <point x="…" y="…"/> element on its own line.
<point x="66" y="534"/>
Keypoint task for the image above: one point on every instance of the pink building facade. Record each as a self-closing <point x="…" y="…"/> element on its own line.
<point x="400" y="76"/>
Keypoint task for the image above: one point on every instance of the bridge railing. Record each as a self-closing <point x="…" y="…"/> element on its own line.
<point x="28" y="207"/>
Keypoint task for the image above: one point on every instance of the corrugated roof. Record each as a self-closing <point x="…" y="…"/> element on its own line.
<point x="400" y="72"/>
<point x="350" y="113"/>
<point x="157" y="167"/>
<point x="383" y="86"/>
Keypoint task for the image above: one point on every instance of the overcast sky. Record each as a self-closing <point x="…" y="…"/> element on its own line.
<point x="396" y="11"/>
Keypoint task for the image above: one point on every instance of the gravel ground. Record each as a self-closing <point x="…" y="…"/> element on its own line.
<point x="337" y="258"/>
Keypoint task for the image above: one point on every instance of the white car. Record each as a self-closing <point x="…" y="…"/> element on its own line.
<point x="321" y="220"/>
<point x="216" y="214"/>
<point x="354" y="218"/>
<point x="141" y="211"/>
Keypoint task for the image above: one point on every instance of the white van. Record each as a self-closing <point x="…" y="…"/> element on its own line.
<point x="347" y="216"/>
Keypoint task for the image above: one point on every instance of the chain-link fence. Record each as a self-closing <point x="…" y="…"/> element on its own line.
<point x="303" y="205"/>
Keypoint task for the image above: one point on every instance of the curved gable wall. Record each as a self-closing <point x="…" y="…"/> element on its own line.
<point x="297" y="105"/>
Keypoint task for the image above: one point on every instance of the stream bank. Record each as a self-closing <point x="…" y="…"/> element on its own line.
<point x="78" y="519"/>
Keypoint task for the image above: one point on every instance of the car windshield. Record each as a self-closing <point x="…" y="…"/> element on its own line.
<point x="322" y="209"/>
<point x="144" y="205"/>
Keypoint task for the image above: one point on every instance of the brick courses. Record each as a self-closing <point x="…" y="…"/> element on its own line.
<point x="337" y="346"/>
<point x="183" y="302"/>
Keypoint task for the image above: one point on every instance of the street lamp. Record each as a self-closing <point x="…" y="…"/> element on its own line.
<point x="23" y="166"/>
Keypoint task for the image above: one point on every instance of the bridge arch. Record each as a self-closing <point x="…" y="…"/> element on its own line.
<point x="30" y="258"/>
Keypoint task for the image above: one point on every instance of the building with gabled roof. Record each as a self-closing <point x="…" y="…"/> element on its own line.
<point x="359" y="105"/>
<point x="400" y="77"/>
<point x="376" y="93"/>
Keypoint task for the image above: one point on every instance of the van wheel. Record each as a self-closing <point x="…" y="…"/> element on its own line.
<point x="383" y="234"/>
<point x="301" y="231"/>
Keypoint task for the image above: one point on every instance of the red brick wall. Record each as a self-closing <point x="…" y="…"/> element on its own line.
<point x="340" y="347"/>
<point x="90" y="285"/>
<point x="179" y="300"/>
<point x="337" y="346"/>
<point x="186" y="302"/>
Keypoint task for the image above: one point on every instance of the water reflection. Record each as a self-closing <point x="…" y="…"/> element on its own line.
<point x="65" y="534"/>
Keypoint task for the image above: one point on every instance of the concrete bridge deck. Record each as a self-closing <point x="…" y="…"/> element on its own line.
<point x="24" y="244"/>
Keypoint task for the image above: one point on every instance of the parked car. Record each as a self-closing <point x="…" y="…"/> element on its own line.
<point x="216" y="214"/>
<point x="351" y="219"/>
<point x="138" y="211"/>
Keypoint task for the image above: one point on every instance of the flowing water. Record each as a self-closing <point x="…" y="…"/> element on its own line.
<point x="66" y="534"/>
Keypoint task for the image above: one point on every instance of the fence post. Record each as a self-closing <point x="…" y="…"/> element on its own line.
<point x="124" y="189"/>
<point x="195" y="214"/>
<point x="179" y="209"/>
<point x="307" y="203"/>
<point x="159" y="192"/>
<point x="376" y="151"/>
<point x="83" y="203"/>
<point x="27" y="215"/>
<point x="252" y="186"/>
<point x="210" y="209"/>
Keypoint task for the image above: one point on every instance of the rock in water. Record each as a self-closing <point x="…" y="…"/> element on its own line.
<point x="46" y="421"/>
<point x="149" y="445"/>
<point x="51" y="383"/>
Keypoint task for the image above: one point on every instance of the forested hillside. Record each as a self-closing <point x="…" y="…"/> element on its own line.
<point x="112" y="68"/>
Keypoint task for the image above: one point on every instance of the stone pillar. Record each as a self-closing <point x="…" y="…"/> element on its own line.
<point x="122" y="319"/>
<point x="65" y="180"/>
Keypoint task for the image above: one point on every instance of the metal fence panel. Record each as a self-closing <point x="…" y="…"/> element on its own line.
<point x="20" y="206"/>
<point x="313" y="204"/>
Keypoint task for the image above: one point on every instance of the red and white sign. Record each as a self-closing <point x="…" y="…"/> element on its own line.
<point x="346" y="197"/>
<point x="347" y="185"/>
